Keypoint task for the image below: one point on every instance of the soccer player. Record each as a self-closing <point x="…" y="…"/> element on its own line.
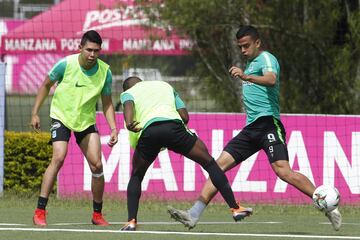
<point x="156" y="118"/>
<point x="81" y="79"/>
<point x="263" y="129"/>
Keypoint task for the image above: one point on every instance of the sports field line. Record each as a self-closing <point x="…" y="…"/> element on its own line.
<point x="164" y="223"/>
<point x="180" y="233"/>
<point x="12" y="224"/>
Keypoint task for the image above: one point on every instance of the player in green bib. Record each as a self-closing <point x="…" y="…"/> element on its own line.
<point x="156" y="116"/>
<point x="263" y="130"/>
<point x="82" y="79"/>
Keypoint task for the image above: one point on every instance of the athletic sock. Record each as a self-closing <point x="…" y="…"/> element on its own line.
<point x="97" y="206"/>
<point x="197" y="209"/>
<point x="220" y="181"/>
<point x="133" y="196"/>
<point x="42" y="202"/>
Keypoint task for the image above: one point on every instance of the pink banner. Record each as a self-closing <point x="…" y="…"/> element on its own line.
<point x="26" y="72"/>
<point x="123" y="26"/>
<point x="324" y="148"/>
<point x="142" y="45"/>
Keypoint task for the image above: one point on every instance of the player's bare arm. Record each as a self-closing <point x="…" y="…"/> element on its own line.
<point x="236" y="72"/>
<point x="109" y="112"/>
<point x="40" y="97"/>
<point x="183" y="114"/>
<point x="131" y="125"/>
<point x="268" y="79"/>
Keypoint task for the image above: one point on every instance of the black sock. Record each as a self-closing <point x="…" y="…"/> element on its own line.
<point x="42" y="202"/>
<point x="220" y="181"/>
<point x="97" y="207"/>
<point x="133" y="196"/>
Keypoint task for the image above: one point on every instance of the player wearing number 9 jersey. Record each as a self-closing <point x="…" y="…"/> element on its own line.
<point x="263" y="130"/>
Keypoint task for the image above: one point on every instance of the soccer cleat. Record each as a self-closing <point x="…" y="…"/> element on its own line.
<point x="98" y="219"/>
<point x="129" y="226"/>
<point x="183" y="216"/>
<point x="39" y="217"/>
<point x="335" y="218"/>
<point x="241" y="213"/>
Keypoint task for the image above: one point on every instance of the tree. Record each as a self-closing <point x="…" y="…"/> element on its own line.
<point x="316" y="42"/>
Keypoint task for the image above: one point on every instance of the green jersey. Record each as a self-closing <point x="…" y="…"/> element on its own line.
<point x="57" y="74"/>
<point x="75" y="97"/>
<point x="261" y="100"/>
<point x="154" y="101"/>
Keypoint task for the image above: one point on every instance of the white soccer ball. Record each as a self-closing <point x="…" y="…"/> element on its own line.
<point x="326" y="198"/>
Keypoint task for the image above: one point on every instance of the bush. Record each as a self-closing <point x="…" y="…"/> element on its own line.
<point x="27" y="156"/>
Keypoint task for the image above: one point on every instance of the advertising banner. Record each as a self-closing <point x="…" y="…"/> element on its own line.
<point x="124" y="28"/>
<point x="325" y="148"/>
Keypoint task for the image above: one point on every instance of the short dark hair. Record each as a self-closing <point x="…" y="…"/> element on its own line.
<point x="130" y="81"/>
<point x="247" y="30"/>
<point x="91" y="36"/>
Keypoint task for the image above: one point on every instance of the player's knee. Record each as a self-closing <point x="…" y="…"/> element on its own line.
<point x="202" y="146"/>
<point x="139" y="174"/>
<point x="134" y="187"/>
<point x="283" y="173"/>
<point x="96" y="167"/>
<point x="58" y="160"/>
<point x="97" y="170"/>
<point x="98" y="175"/>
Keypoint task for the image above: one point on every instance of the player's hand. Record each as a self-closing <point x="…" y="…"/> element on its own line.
<point x="113" y="137"/>
<point x="35" y="123"/>
<point x="237" y="72"/>
<point x="133" y="126"/>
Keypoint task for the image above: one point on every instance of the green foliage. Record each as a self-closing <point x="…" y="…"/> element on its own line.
<point x="26" y="157"/>
<point x="316" y="42"/>
<point x="311" y="40"/>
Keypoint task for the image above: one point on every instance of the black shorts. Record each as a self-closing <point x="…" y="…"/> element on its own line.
<point x="165" y="134"/>
<point x="59" y="132"/>
<point x="265" y="133"/>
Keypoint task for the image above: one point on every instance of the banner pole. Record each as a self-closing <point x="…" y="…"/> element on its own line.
<point x="2" y="124"/>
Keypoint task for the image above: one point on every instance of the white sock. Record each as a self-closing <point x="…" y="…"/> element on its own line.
<point x="197" y="209"/>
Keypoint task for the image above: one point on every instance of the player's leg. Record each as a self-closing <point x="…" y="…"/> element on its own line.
<point x="303" y="184"/>
<point x="200" y="155"/>
<point x="182" y="141"/>
<point x="275" y="147"/>
<point x="190" y="217"/>
<point x="146" y="151"/>
<point x="273" y="143"/>
<point x="296" y="179"/>
<point x="208" y="192"/>
<point x="60" y="136"/>
<point x="89" y="143"/>
<point x="139" y="168"/>
<point x="57" y="160"/>
<point x="239" y="148"/>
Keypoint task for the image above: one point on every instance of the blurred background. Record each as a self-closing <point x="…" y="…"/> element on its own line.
<point x="190" y="44"/>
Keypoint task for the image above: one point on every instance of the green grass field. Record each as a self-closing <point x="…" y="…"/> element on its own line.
<point x="70" y="219"/>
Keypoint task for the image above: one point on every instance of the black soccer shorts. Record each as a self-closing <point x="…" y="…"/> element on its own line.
<point x="170" y="134"/>
<point x="59" y="132"/>
<point x="265" y="133"/>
